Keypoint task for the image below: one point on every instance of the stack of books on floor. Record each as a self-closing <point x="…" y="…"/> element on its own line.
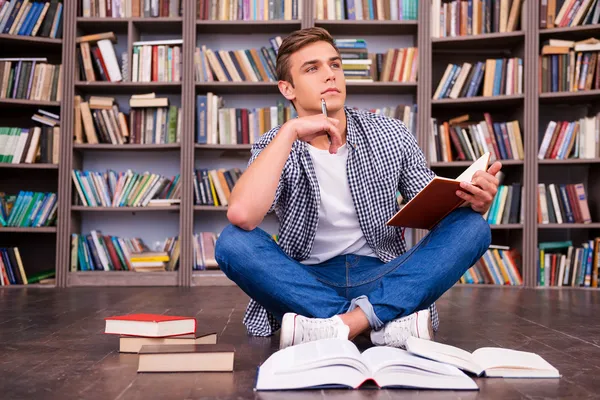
<point x="169" y="343"/>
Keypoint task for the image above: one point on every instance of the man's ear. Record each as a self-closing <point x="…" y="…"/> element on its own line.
<point x="287" y="90"/>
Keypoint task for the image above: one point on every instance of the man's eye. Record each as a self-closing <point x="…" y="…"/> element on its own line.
<point x="310" y="69"/>
<point x="335" y="65"/>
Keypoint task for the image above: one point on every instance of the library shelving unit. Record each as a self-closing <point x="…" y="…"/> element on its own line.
<point x="531" y="109"/>
<point x="38" y="246"/>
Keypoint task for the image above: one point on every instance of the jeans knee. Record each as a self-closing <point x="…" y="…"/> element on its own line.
<point x="476" y="229"/>
<point x="227" y="245"/>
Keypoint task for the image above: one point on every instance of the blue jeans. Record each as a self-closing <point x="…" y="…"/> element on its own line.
<point x="384" y="291"/>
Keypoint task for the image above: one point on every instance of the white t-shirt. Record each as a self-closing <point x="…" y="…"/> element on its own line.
<point x="338" y="230"/>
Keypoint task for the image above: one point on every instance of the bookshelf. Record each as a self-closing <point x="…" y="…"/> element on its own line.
<point x="531" y="109"/>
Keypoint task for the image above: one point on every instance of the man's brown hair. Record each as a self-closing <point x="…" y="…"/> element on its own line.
<point x="294" y="42"/>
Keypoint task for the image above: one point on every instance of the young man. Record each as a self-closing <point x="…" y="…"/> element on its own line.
<point x="338" y="270"/>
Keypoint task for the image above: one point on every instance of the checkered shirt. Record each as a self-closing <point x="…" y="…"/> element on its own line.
<point x="383" y="158"/>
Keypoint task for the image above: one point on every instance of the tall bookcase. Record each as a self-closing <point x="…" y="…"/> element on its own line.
<point x="528" y="108"/>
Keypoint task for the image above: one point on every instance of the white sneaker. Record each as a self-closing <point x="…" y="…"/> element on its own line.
<point x="296" y="329"/>
<point x="396" y="332"/>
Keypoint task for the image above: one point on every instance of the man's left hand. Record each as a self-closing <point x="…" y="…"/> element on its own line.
<point x="482" y="189"/>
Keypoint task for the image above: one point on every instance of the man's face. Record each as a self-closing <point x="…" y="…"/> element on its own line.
<point x="317" y="73"/>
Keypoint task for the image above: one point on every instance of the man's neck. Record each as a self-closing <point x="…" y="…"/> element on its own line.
<point x="322" y="142"/>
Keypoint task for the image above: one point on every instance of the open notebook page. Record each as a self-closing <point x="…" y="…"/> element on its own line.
<point x="524" y="363"/>
<point x="315" y="354"/>
<point x="444" y="353"/>
<point x="479" y="165"/>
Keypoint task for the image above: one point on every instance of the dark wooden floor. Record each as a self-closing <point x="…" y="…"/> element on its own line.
<point x="52" y="345"/>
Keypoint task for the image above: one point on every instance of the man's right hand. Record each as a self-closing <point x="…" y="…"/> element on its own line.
<point x="310" y="127"/>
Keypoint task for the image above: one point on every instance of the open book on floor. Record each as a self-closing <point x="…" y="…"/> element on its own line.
<point x="494" y="362"/>
<point x="331" y="363"/>
<point x="436" y="200"/>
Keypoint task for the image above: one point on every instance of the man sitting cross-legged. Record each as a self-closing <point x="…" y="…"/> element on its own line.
<point x="338" y="269"/>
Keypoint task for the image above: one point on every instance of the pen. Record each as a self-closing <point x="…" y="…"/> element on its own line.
<point x="324" y="111"/>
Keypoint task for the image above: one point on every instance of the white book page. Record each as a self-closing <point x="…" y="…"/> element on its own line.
<point x="396" y="367"/>
<point x="444" y="353"/>
<point x="337" y="375"/>
<point x="479" y="165"/>
<point x="522" y="363"/>
<point x="316" y="354"/>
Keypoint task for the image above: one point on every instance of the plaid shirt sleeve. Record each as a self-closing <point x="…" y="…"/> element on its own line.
<point x="415" y="174"/>
<point x="256" y="149"/>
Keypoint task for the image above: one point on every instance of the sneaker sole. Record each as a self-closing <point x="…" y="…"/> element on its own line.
<point x="288" y="327"/>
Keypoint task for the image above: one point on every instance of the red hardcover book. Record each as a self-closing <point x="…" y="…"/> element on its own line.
<point x="150" y="325"/>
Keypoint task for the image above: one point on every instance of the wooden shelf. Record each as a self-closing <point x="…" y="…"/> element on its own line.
<point x="506" y="226"/>
<point x="224" y="147"/>
<point x="246" y="27"/>
<point x="486" y="40"/>
<point x="157" y="24"/>
<point x="572" y="33"/>
<point x="210" y="208"/>
<point x="381" y="87"/>
<point x="593" y="225"/>
<point x="29" y="166"/>
<point x="237" y="87"/>
<point x="103" y="87"/>
<point x="462" y="164"/>
<point x="29" y="103"/>
<point x="125" y="147"/>
<point x="125" y="209"/>
<point x="368" y="27"/>
<point x="18" y="229"/>
<point x="569" y="97"/>
<point x="271" y="87"/>
<point x="29" y="286"/>
<point x="569" y="161"/>
<point x="480" y="102"/>
<point x="210" y="278"/>
<point x="21" y="40"/>
<point x="122" y="278"/>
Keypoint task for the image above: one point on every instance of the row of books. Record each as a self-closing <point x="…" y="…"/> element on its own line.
<point x="151" y="120"/>
<point x="96" y="251"/>
<point x="498" y="266"/>
<point x="129" y="8"/>
<point x="156" y="61"/>
<point x="463" y="139"/>
<point x="39" y="18"/>
<point x="28" y="209"/>
<point x="561" y="263"/>
<point x="562" y="203"/>
<point x="125" y="189"/>
<point x="500" y="76"/>
<point x="474" y="17"/>
<point x="216" y="124"/>
<point x="244" y="65"/>
<point x="569" y="66"/>
<point x="253" y="10"/>
<point x="96" y="58"/>
<point x="12" y="271"/>
<point x="394" y="10"/>
<point x="404" y="112"/>
<point x="571" y="139"/>
<point x="395" y="65"/>
<point x="506" y="207"/>
<point x="29" y="145"/>
<point x="30" y="79"/>
<point x="212" y="187"/>
<point x="204" y="251"/>
<point x="570" y="13"/>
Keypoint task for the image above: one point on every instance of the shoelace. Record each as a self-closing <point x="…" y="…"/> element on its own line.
<point x="318" y="329"/>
